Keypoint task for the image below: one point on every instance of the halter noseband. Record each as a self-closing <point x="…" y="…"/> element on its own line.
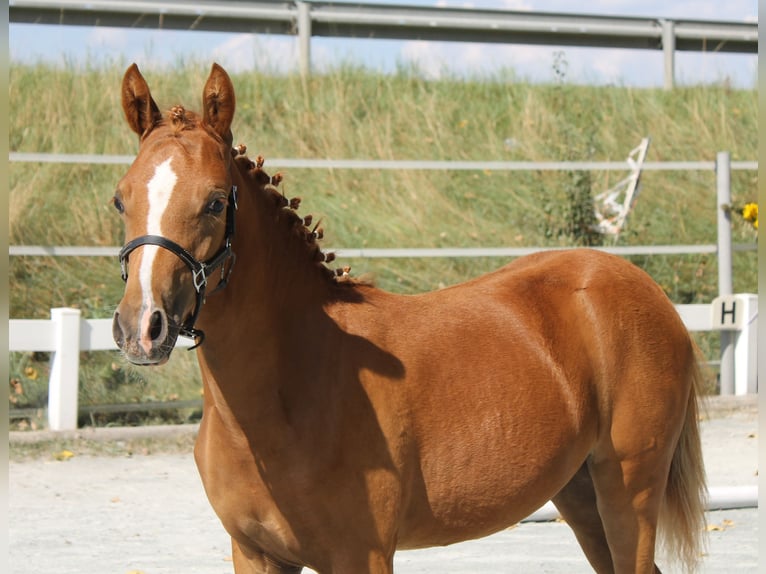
<point x="201" y="270"/>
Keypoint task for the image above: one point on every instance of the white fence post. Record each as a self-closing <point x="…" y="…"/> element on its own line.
<point x="735" y="316"/>
<point x="725" y="280"/>
<point x="746" y="347"/>
<point x="65" y="365"/>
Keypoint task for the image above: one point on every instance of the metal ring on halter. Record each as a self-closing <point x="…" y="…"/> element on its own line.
<point x="201" y="270"/>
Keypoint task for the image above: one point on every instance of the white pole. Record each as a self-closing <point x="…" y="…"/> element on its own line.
<point x="745" y="347"/>
<point x="304" y="38"/>
<point x="64" y="380"/>
<point x="669" y="52"/>
<point x="725" y="284"/>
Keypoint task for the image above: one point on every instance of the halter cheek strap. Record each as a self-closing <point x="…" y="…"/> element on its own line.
<point x="200" y="270"/>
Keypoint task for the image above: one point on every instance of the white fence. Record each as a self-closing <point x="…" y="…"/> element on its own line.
<point x="66" y="334"/>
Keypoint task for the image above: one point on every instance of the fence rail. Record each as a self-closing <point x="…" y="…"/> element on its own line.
<point x="305" y="19"/>
<point x="306" y="163"/>
<point x="404" y="252"/>
<point x="122" y="408"/>
<point x="446" y="165"/>
<point x="66" y="334"/>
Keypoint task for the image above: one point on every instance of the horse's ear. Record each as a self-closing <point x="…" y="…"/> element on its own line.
<point x="218" y="103"/>
<point x="140" y="109"/>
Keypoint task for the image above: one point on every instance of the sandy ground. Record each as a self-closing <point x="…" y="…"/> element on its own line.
<point x="148" y="514"/>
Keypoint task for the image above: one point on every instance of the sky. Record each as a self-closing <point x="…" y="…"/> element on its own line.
<point x="242" y="52"/>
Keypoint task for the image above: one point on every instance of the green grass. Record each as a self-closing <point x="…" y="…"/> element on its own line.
<point x="354" y="113"/>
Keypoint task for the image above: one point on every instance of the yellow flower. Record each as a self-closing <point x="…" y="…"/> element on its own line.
<point x="63" y="455"/>
<point x="30" y="373"/>
<point x="750" y="212"/>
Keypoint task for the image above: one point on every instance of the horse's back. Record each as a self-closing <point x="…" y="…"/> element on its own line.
<point x="582" y="309"/>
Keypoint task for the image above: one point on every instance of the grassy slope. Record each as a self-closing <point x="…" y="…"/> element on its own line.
<point x="353" y="113"/>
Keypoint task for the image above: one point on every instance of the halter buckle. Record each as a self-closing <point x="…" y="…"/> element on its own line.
<point x="199" y="278"/>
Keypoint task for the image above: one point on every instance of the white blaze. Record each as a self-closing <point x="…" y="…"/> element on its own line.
<point x="160" y="190"/>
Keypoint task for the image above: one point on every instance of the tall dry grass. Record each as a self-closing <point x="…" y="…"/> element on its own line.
<point x="354" y="113"/>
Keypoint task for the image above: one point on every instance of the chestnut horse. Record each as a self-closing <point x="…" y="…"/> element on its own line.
<point x="342" y="422"/>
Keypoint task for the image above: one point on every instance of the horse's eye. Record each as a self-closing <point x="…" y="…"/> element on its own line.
<point x="118" y="204"/>
<point x="216" y="206"/>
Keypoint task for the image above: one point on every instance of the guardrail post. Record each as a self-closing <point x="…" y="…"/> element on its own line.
<point x="64" y="378"/>
<point x="725" y="283"/>
<point x="304" y="38"/>
<point x="669" y="52"/>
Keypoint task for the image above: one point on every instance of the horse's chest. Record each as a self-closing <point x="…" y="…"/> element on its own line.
<point x="240" y="496"/>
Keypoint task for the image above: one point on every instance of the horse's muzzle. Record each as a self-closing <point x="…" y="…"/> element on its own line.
<point x="148" y="341"/>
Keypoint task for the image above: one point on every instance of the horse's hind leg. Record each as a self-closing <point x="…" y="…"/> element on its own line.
<point x="577" y="504"/>
<point x="629" y="493"/>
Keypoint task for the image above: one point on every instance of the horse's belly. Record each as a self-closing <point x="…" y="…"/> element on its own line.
<point x="472" y="503"/>
<point x="482" y="471"/>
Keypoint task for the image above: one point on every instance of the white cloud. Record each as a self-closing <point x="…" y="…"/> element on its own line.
<point x="244" y="52"/>
<point x="536" y="63"/>
<point x="426" y="56"/>
<point x="274" y="54"/>
<point x="516" y="5"/>
<point x="101" y="37"/>
<point x="524" y="5"/>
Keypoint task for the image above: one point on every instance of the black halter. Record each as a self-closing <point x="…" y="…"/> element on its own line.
<point x="201" y="270"/>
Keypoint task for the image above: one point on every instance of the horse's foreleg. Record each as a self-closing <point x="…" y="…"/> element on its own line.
<point x="247" y="561"/>
<point x="252" y="562"/>
<point x="363" y="562"/>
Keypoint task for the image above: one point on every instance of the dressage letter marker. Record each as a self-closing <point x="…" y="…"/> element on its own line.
<point x="727" y="315"/>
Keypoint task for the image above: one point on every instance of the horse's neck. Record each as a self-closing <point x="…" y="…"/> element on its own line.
<point x="271" y="308"/>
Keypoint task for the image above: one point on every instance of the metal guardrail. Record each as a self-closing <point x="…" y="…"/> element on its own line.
<point x="365" y="20"/>
<point x="393" y="21"/>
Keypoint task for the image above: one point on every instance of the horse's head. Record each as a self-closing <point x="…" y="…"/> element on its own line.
<point x="177" y="201"/>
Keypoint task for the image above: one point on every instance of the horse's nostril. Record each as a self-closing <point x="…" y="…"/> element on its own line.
<point x="156" y="325"/>
<point x="117" y="332"/>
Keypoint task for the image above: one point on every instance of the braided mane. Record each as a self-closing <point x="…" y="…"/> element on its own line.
<point x="180" y="119"/>
<point x="300" y="228"/>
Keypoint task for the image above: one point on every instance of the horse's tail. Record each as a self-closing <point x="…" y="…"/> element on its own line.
<point x="682" y="516"/>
